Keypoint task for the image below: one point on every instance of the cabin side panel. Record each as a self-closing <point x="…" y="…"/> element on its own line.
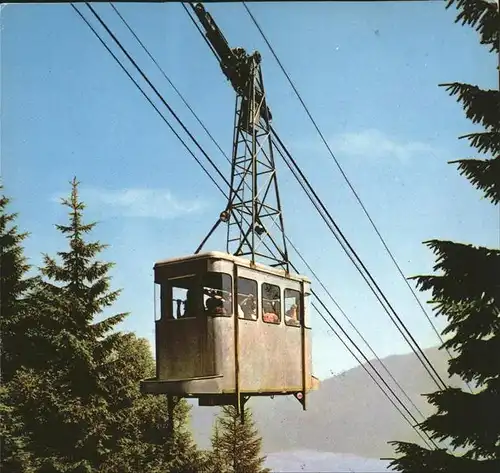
<point x="223" y="327"/>
<point x="270" y="352"/>
<point x="179" y="349"/>
<point x="185" y="344"/>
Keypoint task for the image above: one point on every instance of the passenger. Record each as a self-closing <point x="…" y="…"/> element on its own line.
<point x="270" y="314"/>
<point x="178" y="312"/>
<point x="248" y="308"/>
<point x="190" y="304"/>
<point x="215" y="303"/>
<point x="228" y="304"/>
<point x="241" y="313"/>
<point x="292" y="316"/>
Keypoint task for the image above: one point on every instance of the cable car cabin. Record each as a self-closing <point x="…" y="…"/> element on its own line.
<point x="227" y="329"/>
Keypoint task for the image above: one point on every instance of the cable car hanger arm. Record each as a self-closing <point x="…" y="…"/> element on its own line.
<point x="212" y="32"/>
<point x="234" y="62"/>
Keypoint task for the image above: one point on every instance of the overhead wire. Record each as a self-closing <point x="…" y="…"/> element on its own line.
<point x="288" y="240"/>
<point x="168" y="79"/>
<point x="404" y="331"/>
<point x="141" y="72"/>
<point x="171" y="83"/>
<point x="146" y="96"/>
<point x="367" y="361"/>
<point x="356" y="260"/>
<point x="150" y="101"/>
<point x="344" y="175"/>
<point x="179" y="137"/>
<point x="339" y="308"/>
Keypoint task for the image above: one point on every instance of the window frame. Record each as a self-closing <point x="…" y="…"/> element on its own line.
<point x="279" y="304"/>
<point x="306" y="310"/>
<point x="168" y="286"/>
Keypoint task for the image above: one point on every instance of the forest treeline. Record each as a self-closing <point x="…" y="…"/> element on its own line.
<point x="69" y="398"/>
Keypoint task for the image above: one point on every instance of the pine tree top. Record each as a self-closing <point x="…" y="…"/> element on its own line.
<point x="83" y="279"/>
<point x="482" y="15"/>
<point x="481" y="106"/>
<point x="13" y="264"/>
<point x="75" y="292"/>
<point x="15" y="289"/>
<point x="236" y="445"/>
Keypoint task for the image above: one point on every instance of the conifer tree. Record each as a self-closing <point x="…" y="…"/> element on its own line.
<point x="15" y="286"/>
<point x="78" y="400"/>
<point x="236" y="445"/>
<point x="467" y="293"/>
<point x="216" y="460"/>
<point x="140" y="422"/>
<point x="66" y="404"/>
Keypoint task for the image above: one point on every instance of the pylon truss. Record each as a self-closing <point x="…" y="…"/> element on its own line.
<point x="253" y="213"/>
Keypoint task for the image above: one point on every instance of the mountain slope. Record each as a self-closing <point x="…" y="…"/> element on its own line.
<point x="348" y="414"/>
<point x="319" y="462"/>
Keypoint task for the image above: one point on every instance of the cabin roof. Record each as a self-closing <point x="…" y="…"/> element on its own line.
<point x="228" y="257"/>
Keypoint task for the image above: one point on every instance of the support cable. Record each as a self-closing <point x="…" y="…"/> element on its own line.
<point x="372" y="377"/>
<point x="435" y="377"/>
<point x="169" y="81"/>
<point x="416" y="424"/>
<point x="220" y="189"/>
<point x="358" y="198"/>
<point x="141" y="72"/>
<point x="339" y="308"/>
<point x="354" y="257"/>
<point x="146" y="96"/>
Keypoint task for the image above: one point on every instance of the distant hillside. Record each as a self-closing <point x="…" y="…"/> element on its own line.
<point x="349" y="414"/>
<point x="323" y="462"/>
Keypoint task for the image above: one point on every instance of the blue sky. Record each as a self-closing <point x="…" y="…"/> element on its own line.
<point x="369" y="75"/>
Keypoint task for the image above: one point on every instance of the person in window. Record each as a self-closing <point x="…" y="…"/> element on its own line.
<point x="292" y="315"/>
<point x="228" y="303"/>
<point x="248" y="307"/>
<point x="178" y="314"/>
<point x="269" y="313"/>
<point x="190" y="304"/>
<point x="215" y="303"/>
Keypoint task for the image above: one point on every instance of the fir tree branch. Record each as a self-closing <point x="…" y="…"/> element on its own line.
<point x="479" y="437"/>
<point x="482" y="15"/>
<point x="483" y="174"/>
<point x="481" y="106"/>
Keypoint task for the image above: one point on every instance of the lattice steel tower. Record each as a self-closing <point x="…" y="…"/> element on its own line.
<point x="255" y="227"/>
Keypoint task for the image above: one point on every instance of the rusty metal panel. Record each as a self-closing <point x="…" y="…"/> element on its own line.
<point x="177" y="343"/>
<point x="185" y="349"/>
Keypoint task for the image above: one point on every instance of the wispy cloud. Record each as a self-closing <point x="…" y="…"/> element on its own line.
<point x="374" y="144"/>
<point x="137" y="202"/>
